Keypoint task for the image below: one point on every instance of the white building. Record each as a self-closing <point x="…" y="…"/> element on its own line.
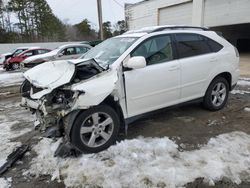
<point x="232" y="17"/>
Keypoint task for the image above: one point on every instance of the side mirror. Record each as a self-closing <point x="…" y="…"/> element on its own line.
<point x="60" y="54"/>
<point x="136" y="62"/>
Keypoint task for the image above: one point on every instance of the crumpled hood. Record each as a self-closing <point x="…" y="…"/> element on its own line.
<point x="51" y="75"/>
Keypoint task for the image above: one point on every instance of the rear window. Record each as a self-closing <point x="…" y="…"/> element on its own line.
<point x="189" y="45"/>
<point x="215" y="46"/>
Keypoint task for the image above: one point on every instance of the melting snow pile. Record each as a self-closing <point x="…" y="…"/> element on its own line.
<point x="242" y="92"/>
<point x="11" y="79"/>
<point x="6" y="134"/>
<point x="149" y="162"/>
<point x="5" y="183"/>
<point x="244" y="82"/>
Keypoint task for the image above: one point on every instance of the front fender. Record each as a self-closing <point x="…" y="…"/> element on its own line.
<point x="95" y="90"/>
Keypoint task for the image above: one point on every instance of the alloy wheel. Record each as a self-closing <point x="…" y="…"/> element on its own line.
<point x="96" y="129"/>
<point x="219" y="93"/>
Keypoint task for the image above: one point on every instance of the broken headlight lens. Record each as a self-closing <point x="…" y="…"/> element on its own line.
<point x="63" y="96"/>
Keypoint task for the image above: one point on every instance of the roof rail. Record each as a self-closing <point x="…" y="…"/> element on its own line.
<point x="178" y="27"/>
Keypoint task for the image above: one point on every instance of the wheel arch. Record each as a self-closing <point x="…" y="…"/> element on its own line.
<point x="227" y="76"/>
<point x="69" y="120"/>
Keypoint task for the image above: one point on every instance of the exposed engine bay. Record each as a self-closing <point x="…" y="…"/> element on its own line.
<point x="56" y="101"/>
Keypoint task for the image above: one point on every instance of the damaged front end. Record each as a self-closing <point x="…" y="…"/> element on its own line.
<point x="56" y="90"/>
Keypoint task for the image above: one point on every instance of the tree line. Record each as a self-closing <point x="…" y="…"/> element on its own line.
<point x="34" y="21"/>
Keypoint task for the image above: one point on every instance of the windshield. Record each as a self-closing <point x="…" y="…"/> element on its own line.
<point x="110" y="50"/>
<point x="18" y="51"/>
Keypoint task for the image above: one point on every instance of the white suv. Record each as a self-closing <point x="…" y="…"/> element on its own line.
<point x="89" y="100"/>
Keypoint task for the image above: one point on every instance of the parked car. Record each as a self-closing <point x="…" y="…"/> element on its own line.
<point x="2" y="57"/>
<point x="88" y="101"/>
<point x="17" y="51"/>
<point x="69" y="51"/>
<point x="13" y="63"/>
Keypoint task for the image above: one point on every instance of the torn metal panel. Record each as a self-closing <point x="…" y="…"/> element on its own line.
<point x="95" y="90"/>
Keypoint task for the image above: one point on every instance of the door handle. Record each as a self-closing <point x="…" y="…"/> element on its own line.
<point x="173" y="68"/>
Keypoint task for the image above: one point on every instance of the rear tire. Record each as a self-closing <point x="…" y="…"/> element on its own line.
<point x="95" y="129"/>
<point x="217" y="94"/>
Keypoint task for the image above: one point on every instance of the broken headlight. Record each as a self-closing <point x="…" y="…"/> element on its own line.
<point x="63" y="97"/>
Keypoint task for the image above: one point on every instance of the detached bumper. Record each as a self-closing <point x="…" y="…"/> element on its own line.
<point x="30" y="103"/>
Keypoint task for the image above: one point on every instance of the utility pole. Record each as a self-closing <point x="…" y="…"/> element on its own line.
<point x="99" y="9"/>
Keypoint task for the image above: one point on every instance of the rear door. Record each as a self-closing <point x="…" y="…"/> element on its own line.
<point x="158" y="84"/>
<point x="197" y="61"/>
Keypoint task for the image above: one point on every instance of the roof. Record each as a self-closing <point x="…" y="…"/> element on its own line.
<point x="27" y="47"/>
<point x="165" y="27"/>
<point x="74" y="44"/>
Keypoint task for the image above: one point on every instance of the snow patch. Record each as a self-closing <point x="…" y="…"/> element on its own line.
<point x="243" y="82"/>
<point x="148" y="162"/>
<point x="11" y="79"/>
<point x="6" y="134"/>
<point x="247" y="109"/>
<point x="5" y="183"/>
<point x="242" y="92"/>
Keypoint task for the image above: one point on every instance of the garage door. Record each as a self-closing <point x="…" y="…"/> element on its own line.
<point x="180" y="14"/>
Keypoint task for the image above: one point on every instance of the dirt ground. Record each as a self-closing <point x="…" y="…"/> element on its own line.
<point x="190" y="126"/>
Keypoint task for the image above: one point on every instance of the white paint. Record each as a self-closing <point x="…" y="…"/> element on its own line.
<point x="133" y="163"/>
<point x="177" y="80"/>
<point x="226" y="12"/>
<point x="146" y="13"/>
<point x="198" y="13"/>
<point x="49" y="76"/>
<point x="209" y="13"/>
<point x="180" y="14"/>
<point x="96" y="89"/>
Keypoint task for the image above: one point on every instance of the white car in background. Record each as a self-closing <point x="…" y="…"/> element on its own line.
<point x="69" y="51"/>
<point x="88" y="101"/>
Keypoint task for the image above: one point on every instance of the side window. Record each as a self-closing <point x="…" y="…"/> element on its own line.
<point x="189" y="45"/>
<point x="69" y="51"/>
<point x="81" y="50"/>
<point x="42" y="51"/>
<point x="155" y="50"/>
<point x="28" y="54"/>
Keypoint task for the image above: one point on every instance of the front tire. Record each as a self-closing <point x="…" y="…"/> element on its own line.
<point x="15" y="66"/>
<point x="217" y="94"/>
<point x="95" y="129"/>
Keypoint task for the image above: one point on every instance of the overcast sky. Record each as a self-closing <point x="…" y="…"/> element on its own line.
<point x="74" y="11"/>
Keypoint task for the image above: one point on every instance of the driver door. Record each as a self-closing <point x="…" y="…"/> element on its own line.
<point x="158" y="84"/>
<point x="67" y="53"/>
